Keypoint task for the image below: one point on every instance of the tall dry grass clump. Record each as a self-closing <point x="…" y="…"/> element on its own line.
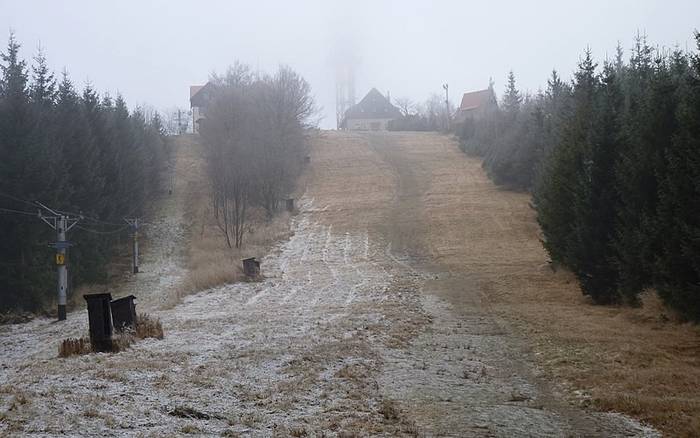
<point x="148" y="326"/>
<point x="74" y="346"/>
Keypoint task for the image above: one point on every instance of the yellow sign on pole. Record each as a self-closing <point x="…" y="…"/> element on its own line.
<point x="60" y="259"/>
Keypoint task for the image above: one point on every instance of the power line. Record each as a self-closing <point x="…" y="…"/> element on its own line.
<point x="14" y="198"/>
<point x="88" y="218"/>
<point x="102" y="232"/>
<point x="54" y="211"/>
<point x="9" y="210"/>
<point x="98" y="221"/>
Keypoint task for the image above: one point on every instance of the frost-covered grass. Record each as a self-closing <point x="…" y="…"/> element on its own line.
<point x="344" y="336"/>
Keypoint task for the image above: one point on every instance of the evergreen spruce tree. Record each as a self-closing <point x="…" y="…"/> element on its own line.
<point x="596" y="200"/>
<point x="47" y="170"/>
<point x="555" y="111"/>
<point x="75" y="153"/>
<point x="564" y="174"/>
<point x="650" y="123"/>
<point x="512" y="98"/>
<point x="678" y="263"/>
<point x="23" y="256"/>
<point x="43" y="88"/>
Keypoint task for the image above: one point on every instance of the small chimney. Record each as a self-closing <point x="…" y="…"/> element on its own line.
<point x="388" y="96"/>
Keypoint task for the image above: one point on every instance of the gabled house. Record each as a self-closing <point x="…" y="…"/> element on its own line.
<point x="199" y="98"/>
<point x="475" y="104"/>
<point x="373" y="113"/>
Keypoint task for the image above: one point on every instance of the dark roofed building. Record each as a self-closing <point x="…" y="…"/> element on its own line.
<point x="372" y="113"/>
<point x="475" y="104"/>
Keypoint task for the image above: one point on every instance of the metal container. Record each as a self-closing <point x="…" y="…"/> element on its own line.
<point x="124" y="313"/>
<point x="100" y="320"/>
<point x="251" y="267"/>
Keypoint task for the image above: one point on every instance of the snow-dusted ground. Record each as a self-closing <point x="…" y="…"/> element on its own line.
<point x="345" y="336"/>
<point x="299" y="350"/>
<point x="330" y="341"/>
<point x="161" y="270"/>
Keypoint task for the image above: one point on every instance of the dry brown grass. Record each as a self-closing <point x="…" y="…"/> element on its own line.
<point x="148" y="327"/>
<point x="639" y="361"/>
<point x="210" y="261"/>
<point x="74" y="346"/>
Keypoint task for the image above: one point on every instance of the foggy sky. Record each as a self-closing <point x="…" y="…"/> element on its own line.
<point x="151" y="51"/>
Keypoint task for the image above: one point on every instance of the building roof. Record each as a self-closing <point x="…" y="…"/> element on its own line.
<point x="475" y="99"/>
<point x="199" y="94"/>
<point x="373" y="106"/>
<point x="194" y="89"/>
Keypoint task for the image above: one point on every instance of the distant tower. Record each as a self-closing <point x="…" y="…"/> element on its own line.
<point x="345" y="60"/>
<point x="344" y="88"/>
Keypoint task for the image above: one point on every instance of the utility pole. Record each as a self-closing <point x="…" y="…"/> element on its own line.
<point x="62" y="223"/>
<point x="134" y="222"/>
<point x="447" y="106"/>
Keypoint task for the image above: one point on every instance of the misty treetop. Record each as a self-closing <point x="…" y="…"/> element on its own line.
<point x="75" y="151"/>
<point x="612" y="159"/>
<point x="254" y="139"/>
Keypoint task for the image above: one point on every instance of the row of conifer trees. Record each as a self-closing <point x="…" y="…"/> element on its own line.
<point x="78" y="152"/>
<point x="612" y="159"/>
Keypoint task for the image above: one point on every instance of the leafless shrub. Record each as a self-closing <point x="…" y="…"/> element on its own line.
<point x="210" y="261"/>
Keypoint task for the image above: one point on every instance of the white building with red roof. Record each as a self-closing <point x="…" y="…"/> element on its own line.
<point x="199" y="97"/>
<point x="475" y="104"/>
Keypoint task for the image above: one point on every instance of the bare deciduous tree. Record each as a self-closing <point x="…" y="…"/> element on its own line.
<point x="405" y="105"/>
<point x="254" y="134"/>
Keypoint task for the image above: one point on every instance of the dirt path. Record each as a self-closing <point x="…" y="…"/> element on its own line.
<point x="461" y="233"/>
<point x="370" y="321"/>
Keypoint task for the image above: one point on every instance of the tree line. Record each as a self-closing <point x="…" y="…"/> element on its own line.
<point x="75" y="151"/>
<point x="612" y="159"/>
<point x="255" y="145"/>
<point x="432" y="115"/>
